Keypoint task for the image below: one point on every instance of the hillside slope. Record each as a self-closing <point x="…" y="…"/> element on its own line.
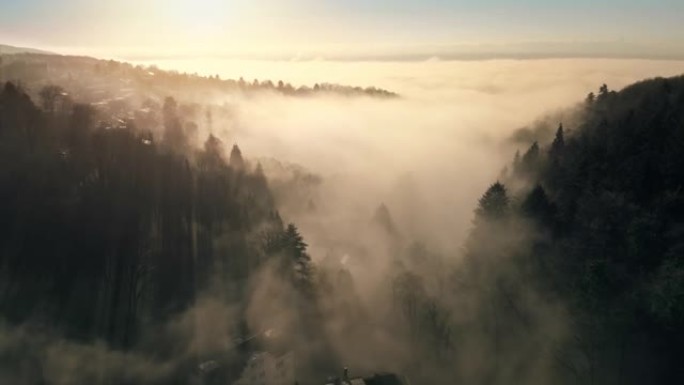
<point x="11" y="50"/>
<point x="595" y="220"/>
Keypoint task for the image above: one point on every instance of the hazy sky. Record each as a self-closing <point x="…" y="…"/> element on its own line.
<point x="347" y="27"/>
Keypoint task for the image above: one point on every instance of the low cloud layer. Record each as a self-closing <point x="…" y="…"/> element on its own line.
<point x="438" y="146"/>
<point x="427" y="156"/>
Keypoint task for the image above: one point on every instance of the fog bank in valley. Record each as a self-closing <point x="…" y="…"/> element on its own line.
<point x="427" y="155"/>
<point x="383" y="192"/>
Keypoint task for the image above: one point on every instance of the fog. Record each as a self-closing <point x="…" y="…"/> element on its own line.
<point x="428" y="156"/>
<point x="443" y="142"/>
<point x="365" y="179"/>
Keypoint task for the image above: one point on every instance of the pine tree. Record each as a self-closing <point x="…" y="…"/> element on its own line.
<point x="294" y="240"/>
<point x="173" y="129"/>
<point x="494" y="203"/>
<point x="516" y="163"/>
<point x="295" y="248"/>
<point x="537" y="205"/>
<point x="236" y="160"/>
<point x="591" y="97"/>
<point x="531" y="161"/>
<point x="213" y="148"/>
<point x="531" y="155"/>
<point x="558" y="143"/>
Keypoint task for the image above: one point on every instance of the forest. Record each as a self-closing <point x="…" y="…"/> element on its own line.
<point x="133" y="250"/>
<point x="106" y="81"/>
<point x="592" y="221"/>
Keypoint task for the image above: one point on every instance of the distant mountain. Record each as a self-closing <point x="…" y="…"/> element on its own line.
<point x="11" y="50"/>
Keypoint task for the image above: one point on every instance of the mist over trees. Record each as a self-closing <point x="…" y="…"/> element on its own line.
<point x="108" y="234"/>
<point x="97" y="81"/>
<point x="139" y="246"/>
<point x="599" y="211"/>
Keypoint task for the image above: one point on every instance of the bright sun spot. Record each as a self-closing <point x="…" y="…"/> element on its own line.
<point x="204" y="13"/>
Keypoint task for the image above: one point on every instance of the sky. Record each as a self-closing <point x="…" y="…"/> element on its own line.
<point x="348" y="28"/>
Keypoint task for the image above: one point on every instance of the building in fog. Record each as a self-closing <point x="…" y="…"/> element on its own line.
<point x="265" y="368"/>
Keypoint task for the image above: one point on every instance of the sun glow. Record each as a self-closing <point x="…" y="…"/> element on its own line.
<point x="206" y="13"/>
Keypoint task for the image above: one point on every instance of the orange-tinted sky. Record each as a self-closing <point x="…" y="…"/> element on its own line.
<point x="355" y="28"/>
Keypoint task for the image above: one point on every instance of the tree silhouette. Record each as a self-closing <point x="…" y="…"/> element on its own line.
<point x="494" y="203"/>
<point x="607" y="209"/>
<point x="558" y="143"/>
<point x="49" y="96"/>
<point x="236" y="161"/>
<point x="174" y="135"/>
<point x="105" y="233"/>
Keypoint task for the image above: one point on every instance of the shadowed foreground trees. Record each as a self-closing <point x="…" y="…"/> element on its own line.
<point x="572" y="271"/>
<point x="106" y="232"/>
<point x="598" y="229"/>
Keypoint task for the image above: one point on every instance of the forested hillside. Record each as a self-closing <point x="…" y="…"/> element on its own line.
<point x="129" y="241"/>
<point x="594" y="221"/>
<point x="109" y="81"/>
<point x="109" y="233"/>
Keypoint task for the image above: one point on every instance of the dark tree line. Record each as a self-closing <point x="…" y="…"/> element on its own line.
<point x="572" y="272"/>
<point x="81" y="73"/>
<point x="597" y="227"/>
<point x="107" y="231"/>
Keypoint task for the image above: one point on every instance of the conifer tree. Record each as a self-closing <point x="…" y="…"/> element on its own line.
<point x="494" y="203"/>
<point x="236" y="160"/>
<point x="173" y="129"/>
<point x="558" y="143"/>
